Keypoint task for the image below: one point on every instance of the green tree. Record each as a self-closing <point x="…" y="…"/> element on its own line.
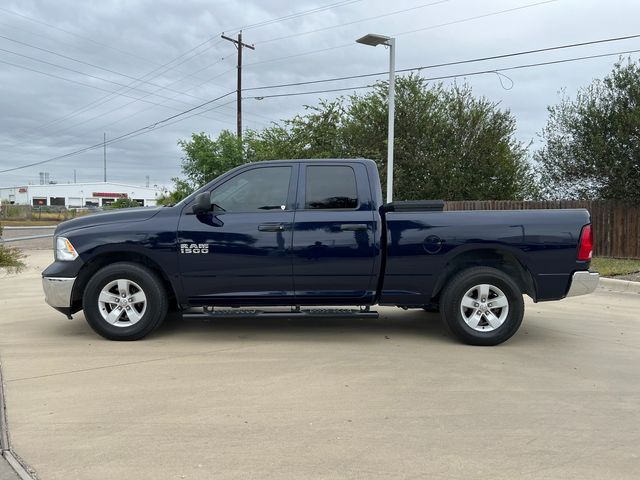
<point x="182" y="189"/>
<point x="124" y="203"/>
<point x="205" y="159"/>
<point x="448" y="143"/>
<point x="592" y="143"/>
<point x="317" y="134"/>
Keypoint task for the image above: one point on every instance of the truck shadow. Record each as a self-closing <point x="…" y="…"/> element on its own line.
<point x="389" y="326"/>
<point x="413" y="323"/>
<point x="308" y="329"/>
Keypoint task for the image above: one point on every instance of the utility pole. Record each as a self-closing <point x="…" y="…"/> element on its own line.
<point x="239" y="45"/>
<point x="104" y="156"/>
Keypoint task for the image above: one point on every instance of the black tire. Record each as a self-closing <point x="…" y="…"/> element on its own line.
<point x="151" y="316"/>
<point x="452" y="310"/>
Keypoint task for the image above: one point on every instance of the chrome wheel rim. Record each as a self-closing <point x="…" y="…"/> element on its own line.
<point x="122" y="303"/>
<point x="484" y="307"/>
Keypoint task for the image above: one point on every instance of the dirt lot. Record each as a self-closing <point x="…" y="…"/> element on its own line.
<point x="283" y="399"/>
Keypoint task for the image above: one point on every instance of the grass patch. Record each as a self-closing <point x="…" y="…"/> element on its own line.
<point x="610" y="267"/>
<point x="11" y="258"/>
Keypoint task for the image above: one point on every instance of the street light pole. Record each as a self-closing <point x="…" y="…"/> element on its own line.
<point x="374" y="40"/>
<point x="392" y="114"/>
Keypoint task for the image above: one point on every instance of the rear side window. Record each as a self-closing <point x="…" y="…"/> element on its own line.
<point x="329" y="186"/>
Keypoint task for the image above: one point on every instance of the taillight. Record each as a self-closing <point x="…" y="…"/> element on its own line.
<point x="585" y="248"/>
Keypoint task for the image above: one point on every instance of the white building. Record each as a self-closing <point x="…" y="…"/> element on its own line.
<point x="78" y="195"/>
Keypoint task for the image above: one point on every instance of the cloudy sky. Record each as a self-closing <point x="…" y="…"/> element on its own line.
<point x="71" y="71"/>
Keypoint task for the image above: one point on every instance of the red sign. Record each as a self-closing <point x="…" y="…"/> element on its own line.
<point x="110" y="195"/>
<point x="22" y="190"/>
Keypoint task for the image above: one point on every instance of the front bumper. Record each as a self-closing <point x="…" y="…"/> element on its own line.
<point x="57" y="291"/>
<point x="583" y="283"/>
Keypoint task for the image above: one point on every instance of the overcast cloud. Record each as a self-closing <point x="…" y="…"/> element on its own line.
<point x="43" y="116"/>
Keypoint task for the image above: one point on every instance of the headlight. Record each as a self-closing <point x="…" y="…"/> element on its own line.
<point x="64" y="250"/>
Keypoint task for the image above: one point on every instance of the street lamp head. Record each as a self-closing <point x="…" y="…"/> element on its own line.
<point x="374" y="40"/>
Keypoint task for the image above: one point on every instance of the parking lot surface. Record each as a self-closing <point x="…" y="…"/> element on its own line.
<point x="324" y="399"/>
<point x="33" y="244"/>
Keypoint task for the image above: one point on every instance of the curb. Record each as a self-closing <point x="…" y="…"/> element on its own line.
<point x="614" y="285"/>
<point x="23" y="471"/>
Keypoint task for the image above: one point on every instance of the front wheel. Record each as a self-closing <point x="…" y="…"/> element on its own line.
<point x="124" y="301"/>
<point x="482" y="306"/>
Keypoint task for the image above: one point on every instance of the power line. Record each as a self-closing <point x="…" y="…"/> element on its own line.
<point x="140" y="99"/>
<point x="182" y="114"/>
<point x="296" y="15"/>
<point x="293" y="94"/>
<point x="67" y="57"/>
<point x="181" y="119"/>
<point x="537" y="64"/>
<point x="152" y="105"/>
<point x="322" y="29"/>
<point x="454" y="22"/>
<point x="448" y="64"/>
<point x="102" y="79"/>
<point x="71" y="80"/>
<point x="108" y="97"/>
<point x="458" y="62"/>
<point x="88" y="39"/>
<point x="104" y="126"/>
<point x="101" y="144"/>
<point x="111" y="95"/>
<point x="476" y="17"/>
<point x="458" y="75"/>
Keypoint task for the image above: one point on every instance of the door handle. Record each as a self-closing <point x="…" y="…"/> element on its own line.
<point x="272" y="227"/>
<point x="353" y="227"/>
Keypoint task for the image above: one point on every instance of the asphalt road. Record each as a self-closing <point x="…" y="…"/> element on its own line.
<point x="324" y="399"/>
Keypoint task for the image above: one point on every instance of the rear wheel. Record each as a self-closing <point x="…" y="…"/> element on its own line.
<point x="124" y="301"/>
<point x="482" y="306"/>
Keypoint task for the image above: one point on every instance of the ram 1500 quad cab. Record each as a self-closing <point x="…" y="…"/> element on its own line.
<point x="296" y="234"/>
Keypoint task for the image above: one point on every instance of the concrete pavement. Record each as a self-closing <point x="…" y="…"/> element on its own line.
<point x="326" y="399"/>
<point x="6" y="472"/>
<point x="33" y="244"/>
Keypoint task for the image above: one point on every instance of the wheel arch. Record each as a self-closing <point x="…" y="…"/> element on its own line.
<point x="107" y="258"/>
<point x="499" y="258"/>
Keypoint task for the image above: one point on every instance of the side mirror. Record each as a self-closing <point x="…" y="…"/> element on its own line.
<point x="202" y="203"/>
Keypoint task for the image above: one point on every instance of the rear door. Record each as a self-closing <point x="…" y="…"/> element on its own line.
<point x="334" y="250"/>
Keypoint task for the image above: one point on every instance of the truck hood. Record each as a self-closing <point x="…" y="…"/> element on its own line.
<point x="118" y="216"/>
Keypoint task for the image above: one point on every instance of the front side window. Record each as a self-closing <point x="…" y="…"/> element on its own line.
<point x="330" y="186"/>
<point x="260" y="189"/>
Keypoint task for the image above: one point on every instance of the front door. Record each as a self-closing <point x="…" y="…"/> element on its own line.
<point x="240" y="252"/>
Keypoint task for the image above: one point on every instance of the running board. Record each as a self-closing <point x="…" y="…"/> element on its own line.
<point x="211" y="312"/>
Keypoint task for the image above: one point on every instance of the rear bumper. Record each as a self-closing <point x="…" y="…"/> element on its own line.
<point x="57" y="291"/>
<point x="583" y="283"/>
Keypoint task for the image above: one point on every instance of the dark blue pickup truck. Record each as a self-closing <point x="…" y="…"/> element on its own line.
<point x="296" y="234"/>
